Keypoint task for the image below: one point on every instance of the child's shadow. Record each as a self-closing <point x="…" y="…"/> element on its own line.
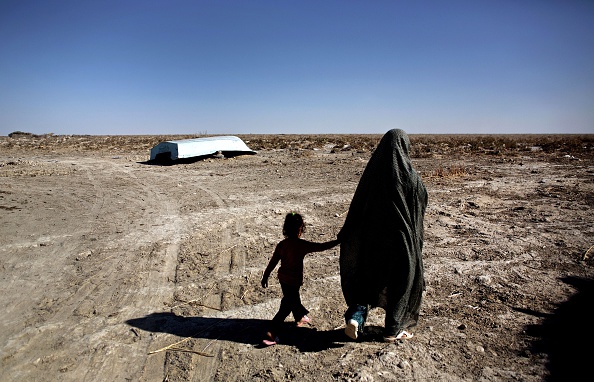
<point x="240" y="330"/>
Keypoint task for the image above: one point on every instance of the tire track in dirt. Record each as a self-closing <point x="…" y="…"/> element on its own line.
<point x="204" y="368"/>
<point x="151" y="273"/>
<point x="113" y="285"/>
<point x="33" y="314"/>
<point x="228" y="265"/>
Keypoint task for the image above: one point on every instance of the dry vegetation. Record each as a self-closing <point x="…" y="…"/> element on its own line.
<point x="423" y="146"/>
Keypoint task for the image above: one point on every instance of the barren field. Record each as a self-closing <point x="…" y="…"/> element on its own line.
<point x="117" y="269"/>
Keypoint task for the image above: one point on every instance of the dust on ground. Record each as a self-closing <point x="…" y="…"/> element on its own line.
<point x="117" y="269"/>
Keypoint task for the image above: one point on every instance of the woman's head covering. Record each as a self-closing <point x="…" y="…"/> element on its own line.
<point x="387" y="187"/>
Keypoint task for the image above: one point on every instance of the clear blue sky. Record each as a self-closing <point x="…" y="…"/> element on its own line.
<point x="276" y="66"/>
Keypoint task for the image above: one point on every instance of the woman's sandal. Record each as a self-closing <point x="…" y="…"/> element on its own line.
<point x="352" y="329"/>
<point x="403" y="335"/>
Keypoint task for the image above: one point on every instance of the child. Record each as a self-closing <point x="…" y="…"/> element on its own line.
<point x="290" y="252"/>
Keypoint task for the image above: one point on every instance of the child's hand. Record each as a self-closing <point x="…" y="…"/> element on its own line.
<point x="264" y="283"/>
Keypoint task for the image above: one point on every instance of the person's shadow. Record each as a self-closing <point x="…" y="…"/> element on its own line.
<point x="241" y="330"/>
<point x="567" y="333"/>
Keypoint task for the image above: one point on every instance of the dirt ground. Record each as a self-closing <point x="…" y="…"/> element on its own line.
<point x="117" y="269"/>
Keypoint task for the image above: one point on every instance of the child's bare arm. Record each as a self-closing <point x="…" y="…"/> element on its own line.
<point x="319" y="247"/>
<point x="271" y="265"/>
<point x="330" y="244"/>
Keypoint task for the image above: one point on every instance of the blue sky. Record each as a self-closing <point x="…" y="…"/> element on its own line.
<point x="274" y="66"/>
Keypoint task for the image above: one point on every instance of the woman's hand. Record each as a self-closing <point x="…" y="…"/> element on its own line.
<point x="264" y="282"/>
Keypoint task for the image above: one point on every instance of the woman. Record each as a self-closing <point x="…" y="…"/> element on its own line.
<point x="381" y="261"/>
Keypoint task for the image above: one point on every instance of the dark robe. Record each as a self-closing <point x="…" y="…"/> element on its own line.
<point x="381" y="261"/>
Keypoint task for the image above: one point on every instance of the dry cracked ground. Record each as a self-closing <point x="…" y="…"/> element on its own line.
<point x="117" y="269"/>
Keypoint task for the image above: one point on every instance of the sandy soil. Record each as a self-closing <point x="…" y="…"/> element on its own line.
<point x="115" y="269"/>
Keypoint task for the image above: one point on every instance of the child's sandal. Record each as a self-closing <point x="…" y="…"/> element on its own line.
<point x="270" y="339"/>
<point x="304" y="320"/>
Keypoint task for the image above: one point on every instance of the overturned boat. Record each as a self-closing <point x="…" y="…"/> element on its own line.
<point x="227" y="145"/>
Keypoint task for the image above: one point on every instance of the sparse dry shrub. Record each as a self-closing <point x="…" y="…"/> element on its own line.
<point x="509" y="145"/>
<point x="363" y="142"/>
<point x="449" y="172"/>
<point x="17" y="134"/>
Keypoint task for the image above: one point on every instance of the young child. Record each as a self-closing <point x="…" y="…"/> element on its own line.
<point x="290" y="252"/>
